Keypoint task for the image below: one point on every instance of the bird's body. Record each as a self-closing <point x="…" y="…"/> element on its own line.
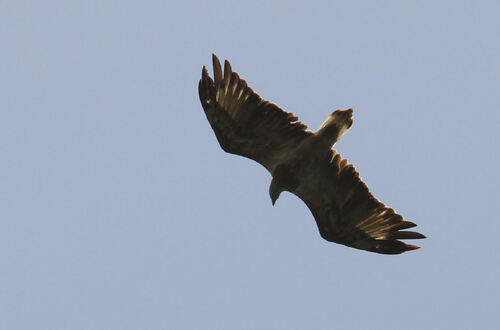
<point x="303" y="163"/>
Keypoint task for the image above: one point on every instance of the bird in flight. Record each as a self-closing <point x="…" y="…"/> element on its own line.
<point x="303" y="163"/>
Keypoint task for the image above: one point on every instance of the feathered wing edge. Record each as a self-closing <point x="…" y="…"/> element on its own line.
<point x="243" y="122"/>
<point x="352" y="216"/>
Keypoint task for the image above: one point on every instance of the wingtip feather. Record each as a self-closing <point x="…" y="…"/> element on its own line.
<point x="217" y="69"/>
<point x="410" y="247"/>
<point x="393" y="247"/>
<point x="227" y="72"/>
<point x="406" y="235"/>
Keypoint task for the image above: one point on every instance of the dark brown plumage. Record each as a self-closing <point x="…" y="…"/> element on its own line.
<point x="303" y="163"/>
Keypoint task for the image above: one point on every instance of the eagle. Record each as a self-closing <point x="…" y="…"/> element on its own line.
<point x="302" y="162"/>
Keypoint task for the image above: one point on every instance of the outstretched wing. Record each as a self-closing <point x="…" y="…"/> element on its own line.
<point x="347" y="213"/>
<point x="243" y="122"/>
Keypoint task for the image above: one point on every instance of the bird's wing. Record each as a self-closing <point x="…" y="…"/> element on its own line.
<point x="243" y="122"/>
<point x="347" y="213"/>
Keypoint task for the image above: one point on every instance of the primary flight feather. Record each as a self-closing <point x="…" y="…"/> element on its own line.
<point x="302" y="162"/>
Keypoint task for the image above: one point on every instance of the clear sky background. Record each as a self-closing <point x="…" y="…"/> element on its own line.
<point x="119" y="210"/>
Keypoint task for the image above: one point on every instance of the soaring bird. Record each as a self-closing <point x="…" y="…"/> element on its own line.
<point x="302" y="162"/>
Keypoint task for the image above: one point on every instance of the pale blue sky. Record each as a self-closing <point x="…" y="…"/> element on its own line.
<point x="119" y="210"/>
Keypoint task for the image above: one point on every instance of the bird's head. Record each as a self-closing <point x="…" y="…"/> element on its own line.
<point x="342" y="118"/>
<point x="335" y="125"/>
